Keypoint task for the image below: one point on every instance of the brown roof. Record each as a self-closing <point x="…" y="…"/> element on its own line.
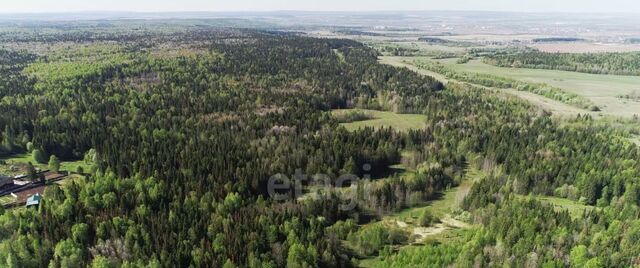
<point x="24" y="195"/>
<point x="53" y="176"/>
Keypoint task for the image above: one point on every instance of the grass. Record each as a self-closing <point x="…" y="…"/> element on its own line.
<point x="19" y="158"/>
<point x="69" y="179"/>
<point x="603" y="90"/>
<point x="24" y="158"/>
<point x="5" y="168"/>
<point x="6" y="200"/>
<point x="402" y="62"/>
<point x="450" y="236"/>
<point x="556" y="107"/>
<point x="402" y="122"/>
<point x="73" y="166"/>
<point x="575" y="209"/>
<point x="440" y="208"/>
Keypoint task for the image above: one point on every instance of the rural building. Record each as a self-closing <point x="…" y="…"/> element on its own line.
<point x="4" y="180"/>
<point x="34" y="200"/>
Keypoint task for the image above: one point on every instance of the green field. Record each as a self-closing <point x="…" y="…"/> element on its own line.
<point x="69" y="179"/>
<point x="556" y="107"/>
<point x="406" y="62"/>
<point x="603" y="90"/>
<point x="574" y="208"/>
<point x="17" y="159"/>
<point x="402" y="122"/>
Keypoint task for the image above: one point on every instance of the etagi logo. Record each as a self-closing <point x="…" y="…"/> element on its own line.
<point x="280" y="186"/>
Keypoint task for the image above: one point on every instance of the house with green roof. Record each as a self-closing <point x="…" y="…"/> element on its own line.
<point x="34" y="200"/>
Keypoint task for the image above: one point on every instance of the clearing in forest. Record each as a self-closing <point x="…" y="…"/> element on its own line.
<point x="575" y="209"/>
<point x="447" y="229"/>
<point x="16" y="164"/>
<point x="379" y="119"/>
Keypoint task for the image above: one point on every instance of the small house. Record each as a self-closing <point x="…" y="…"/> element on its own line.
<point x="34" y="200"/>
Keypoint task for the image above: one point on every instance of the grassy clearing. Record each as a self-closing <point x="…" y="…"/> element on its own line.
<point x="18" y="160"/>
<point x="585" y="47"/>
<point x="404" y="63"/>
<point x="339" y="54"/>
<point x="402" y="122"/>
<point x="449" y="231"/>
<point x="67" y="180"/>
<point x="574" y="208"/>
<point x="413" y="255"/>
<point x="73" y="166"/>
<point x="424" y="46"/>
<point x="441" y="207"/>
<point x="557" y="108"/>
<point x="13" y="165"/>
<point x="413" y="48"/>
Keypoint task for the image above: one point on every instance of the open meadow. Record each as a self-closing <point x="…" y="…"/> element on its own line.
<point x="379" y="119"/>
<point x="603" y="90"/>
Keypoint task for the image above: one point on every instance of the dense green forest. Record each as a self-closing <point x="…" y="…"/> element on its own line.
<point x="187" y="128"/>
<point x="618" y="63"/>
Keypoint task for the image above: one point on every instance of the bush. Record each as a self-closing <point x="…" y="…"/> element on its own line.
<point x="39" y="157"/>
<point x="371" y="239"/>
<point x="353" y="116"/>
<point x="342" y="228"/>
<point x="427" y="219"/>
<point x="398" y="237"/>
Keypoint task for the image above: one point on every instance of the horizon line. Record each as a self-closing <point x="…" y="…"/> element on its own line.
<point x="79" y="12"/>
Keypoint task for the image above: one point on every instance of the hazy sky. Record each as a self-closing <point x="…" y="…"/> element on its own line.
<point x="13" y="6"/>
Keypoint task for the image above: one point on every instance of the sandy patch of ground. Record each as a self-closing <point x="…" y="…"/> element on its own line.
<point x="451" y="222"/>
<point x="424" y="232"/>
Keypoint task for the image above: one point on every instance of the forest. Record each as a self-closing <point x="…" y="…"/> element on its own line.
<point x="186" y="127"/>
<point x="615" y="63"/>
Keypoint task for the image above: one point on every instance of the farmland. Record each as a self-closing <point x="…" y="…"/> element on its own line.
<point x="603" y="90"/>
